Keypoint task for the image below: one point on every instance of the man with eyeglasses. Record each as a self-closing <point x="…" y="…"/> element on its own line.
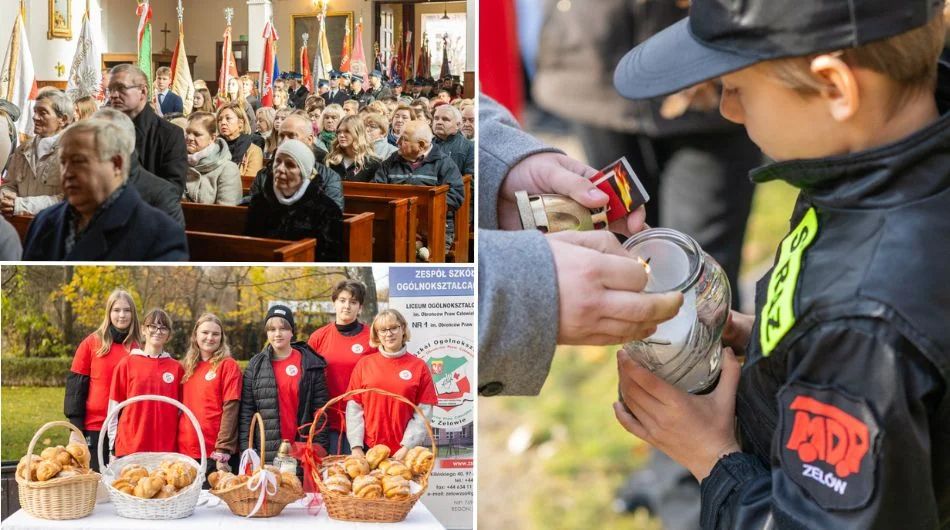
<point x="160" y="144"/>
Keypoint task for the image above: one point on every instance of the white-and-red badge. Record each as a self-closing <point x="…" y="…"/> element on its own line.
<point x="405" y="375"/>
<point x="357" y="349"/>
<point x="210" y="376"/>
<point x="292" y="370"/>
<point x="168" y="377"/>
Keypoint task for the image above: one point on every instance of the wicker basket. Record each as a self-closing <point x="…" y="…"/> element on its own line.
<point x="132" y="507"/>
<point x="59" y="498"/>
<point x="350" y="508"/>
<point x="242" y="500"/>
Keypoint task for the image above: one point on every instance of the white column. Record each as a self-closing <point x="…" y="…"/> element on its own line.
<point x="471" y="34"/>
<point x="258" y="13"/>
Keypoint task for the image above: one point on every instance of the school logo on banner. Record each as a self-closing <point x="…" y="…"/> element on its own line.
<point x="357" y="349"/>
<point x="450" y="361"/>
<point x="830" y="444"/>
<point x="405" y="375"/>
<point x="292" y="370"/>
<point x="168" y="377"/>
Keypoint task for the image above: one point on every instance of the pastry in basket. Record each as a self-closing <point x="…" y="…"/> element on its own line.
<point x="176" y="476"/>
<point x="339" y="484"/>
<point x="22" y="466"/>
<point x="133" y="472"/>
<point x="57" y="454"/>
<point x="376" y="455"/>
<point x="290" y="480"/>
<point x="216" y="477"/>
<point x="336" y="469"/>
<point x="148" y="487"/>
<point x="167" y="491"/>
<point x="367" y="487"/>
<point x="70" y="471"/>
<point x="124" y="486"/>
<point x="233" y="481"/>
<point x="80" y="452"/>
<point x="395" y="487"/>
<point x="419" y="460"/>
<point x="377" y="473"/>
<point x="397" y="468"/>
<point x="356" y="466"/>
<point x="47" y="469"/>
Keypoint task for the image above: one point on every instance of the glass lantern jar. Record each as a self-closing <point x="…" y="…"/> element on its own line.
<point x="685" y="351"/>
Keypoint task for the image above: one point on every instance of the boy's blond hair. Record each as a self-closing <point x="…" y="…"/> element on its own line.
<point x="163" y="70"/>
<point x="910" y="59"/>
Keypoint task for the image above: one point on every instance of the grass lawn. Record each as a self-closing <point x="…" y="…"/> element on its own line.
<point x="23" y="410"/>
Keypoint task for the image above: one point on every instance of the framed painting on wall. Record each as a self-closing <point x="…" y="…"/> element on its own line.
<point x="336" y="24"/>
<point x="60" y="20"/>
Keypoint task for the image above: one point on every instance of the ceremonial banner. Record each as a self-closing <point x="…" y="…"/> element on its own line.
<point x="321" y="60"/>
<point x="445" y="59"/>
<point x="305" y="68"/>
<point x="182" y="83"/>
<point x="228" y="65"/>
<point x="358" y="66"/>
<point x="345" y="57"/>
<point x="144" y="61"/>
<point x="18" y="79"/>
<point x="423" y="66"/>
<point x="439" y="303"/>
<point x="85" y="74"/>
<point x="268" y="65"/>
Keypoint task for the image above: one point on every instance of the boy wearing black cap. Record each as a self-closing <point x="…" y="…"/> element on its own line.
<point x="842" y="406"/>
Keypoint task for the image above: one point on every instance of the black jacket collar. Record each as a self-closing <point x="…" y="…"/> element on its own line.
<point x="909" y="169"/>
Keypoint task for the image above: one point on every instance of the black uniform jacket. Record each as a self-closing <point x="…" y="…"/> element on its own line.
<point x="161" y="147"/>
<point x="843" y="405"/>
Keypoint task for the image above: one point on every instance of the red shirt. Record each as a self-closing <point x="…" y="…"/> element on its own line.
<point x="149" y="425"/>
<point x="205" y="394"/>
<point x="341" y="353"/>
<point x="384" y="417"/>
<point x="99" y="370"/>
<point x="288" y="374"/>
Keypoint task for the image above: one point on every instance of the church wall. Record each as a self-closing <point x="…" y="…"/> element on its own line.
<point x="284" y="11"/>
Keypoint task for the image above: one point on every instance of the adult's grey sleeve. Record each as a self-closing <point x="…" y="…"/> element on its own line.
<point x="10" y="247"/>
<point x="518" y="313"/>
<point x="416" y="432"/>
<point x="501" y="145"/>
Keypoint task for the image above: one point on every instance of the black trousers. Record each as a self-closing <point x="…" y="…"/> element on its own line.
<point x="698" y="184"/>
<point x="92" y="440"/>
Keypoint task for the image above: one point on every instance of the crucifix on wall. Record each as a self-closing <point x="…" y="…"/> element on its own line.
<point x="166" y="31"/>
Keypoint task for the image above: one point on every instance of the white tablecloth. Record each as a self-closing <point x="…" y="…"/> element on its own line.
<point x="214" y="514"/>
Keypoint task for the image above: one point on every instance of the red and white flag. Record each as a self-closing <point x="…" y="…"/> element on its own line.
<point x="267" y="65"/>
<point x="345" y="57"/>
<point x="358" y="64"/>
<point x="18" y="78"/>
<point x="305" y="68"/>
<point x="228" y="65"/>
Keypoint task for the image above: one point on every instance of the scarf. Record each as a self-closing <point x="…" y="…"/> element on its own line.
<point x="238" y="147"/>
<point x="327" y="138"/>
<point x="197" y="156"/>
<point x="287" y="201"/>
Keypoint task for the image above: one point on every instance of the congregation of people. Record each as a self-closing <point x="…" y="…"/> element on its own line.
<point x="106" y="180"/>
<point x="286" y="384"/>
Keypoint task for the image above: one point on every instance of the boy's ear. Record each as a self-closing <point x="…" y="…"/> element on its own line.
<point x="841" y="86"/>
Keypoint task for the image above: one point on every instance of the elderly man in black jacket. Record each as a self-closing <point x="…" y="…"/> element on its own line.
<point x="160" y="144"/>
<point x="103" y="217"/>
<point x="446" y="124"/>
<point x="418" y="163"/>
<point x="154" y="190"/>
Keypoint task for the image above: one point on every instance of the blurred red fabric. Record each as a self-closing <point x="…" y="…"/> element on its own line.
<point x="499" y="63"/>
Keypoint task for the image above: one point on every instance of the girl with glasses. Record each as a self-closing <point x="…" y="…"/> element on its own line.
<point x="147" y="426"/>
<point x="373" y="419"/>
<point x="285" y="383"/>
<point x="211" y="388"/>
<point x="90" y="378"/>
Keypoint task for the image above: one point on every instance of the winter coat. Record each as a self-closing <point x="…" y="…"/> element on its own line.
<point x="37" y="186"/>
<point x="260" y="395"/>
<point x="156" y="191"/>
<point x="384" y="149"/>
<point x="215" y="179"/>
<point x="460" y="149"/>
<point x="349" y="174"/>
<point x="161" y="147"/>
<point x="315" y="215"/>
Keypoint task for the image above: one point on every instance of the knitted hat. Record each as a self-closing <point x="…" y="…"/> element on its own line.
<point x="283" y="312"/>
<point x="301" y="154"/>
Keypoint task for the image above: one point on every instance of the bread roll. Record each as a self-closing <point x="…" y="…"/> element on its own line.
<point x="63" y="458"/>
<point x="167" y="491"/>
<point x="290" y="480"/>
<point x="133" y="473"/>
<point x="148" y="487"/>
<point x="124" y="486"/>
<point x="377" y="473"/>
<point x="419" y="460"/>
<point x="376" y="455"/>
<point x="21" y="468"/>
<point x="233" y="481"/>
<point x="384" y="465"/>
<point x="80" y="453"/>
<point x="399" y="469"/>
<point x="395" y="487"/>
<point x="336" y="469"/>
<point x="214" y="477"/>
<point x="47" y="469"/>
<point x="356" y="466"/>
<point x="339" y="484"/>
<point x="49" y="453"/>
<point x="367" y="487"/>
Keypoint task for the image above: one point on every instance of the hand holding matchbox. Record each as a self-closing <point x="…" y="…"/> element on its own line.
<point x="554" y="213"/>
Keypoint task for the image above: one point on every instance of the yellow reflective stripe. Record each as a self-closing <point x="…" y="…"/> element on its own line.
<point x="778" y="314"/>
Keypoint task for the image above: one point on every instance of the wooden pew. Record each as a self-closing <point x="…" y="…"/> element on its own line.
<point x="246" y="183"/>
<point x="206" y="246"/>
<point x="459" y="251"/>
<point x="394" y="225"/>
<point x="22" y="224"/>
<point x="431" y="203"/>
<point x="221" y="219"/>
